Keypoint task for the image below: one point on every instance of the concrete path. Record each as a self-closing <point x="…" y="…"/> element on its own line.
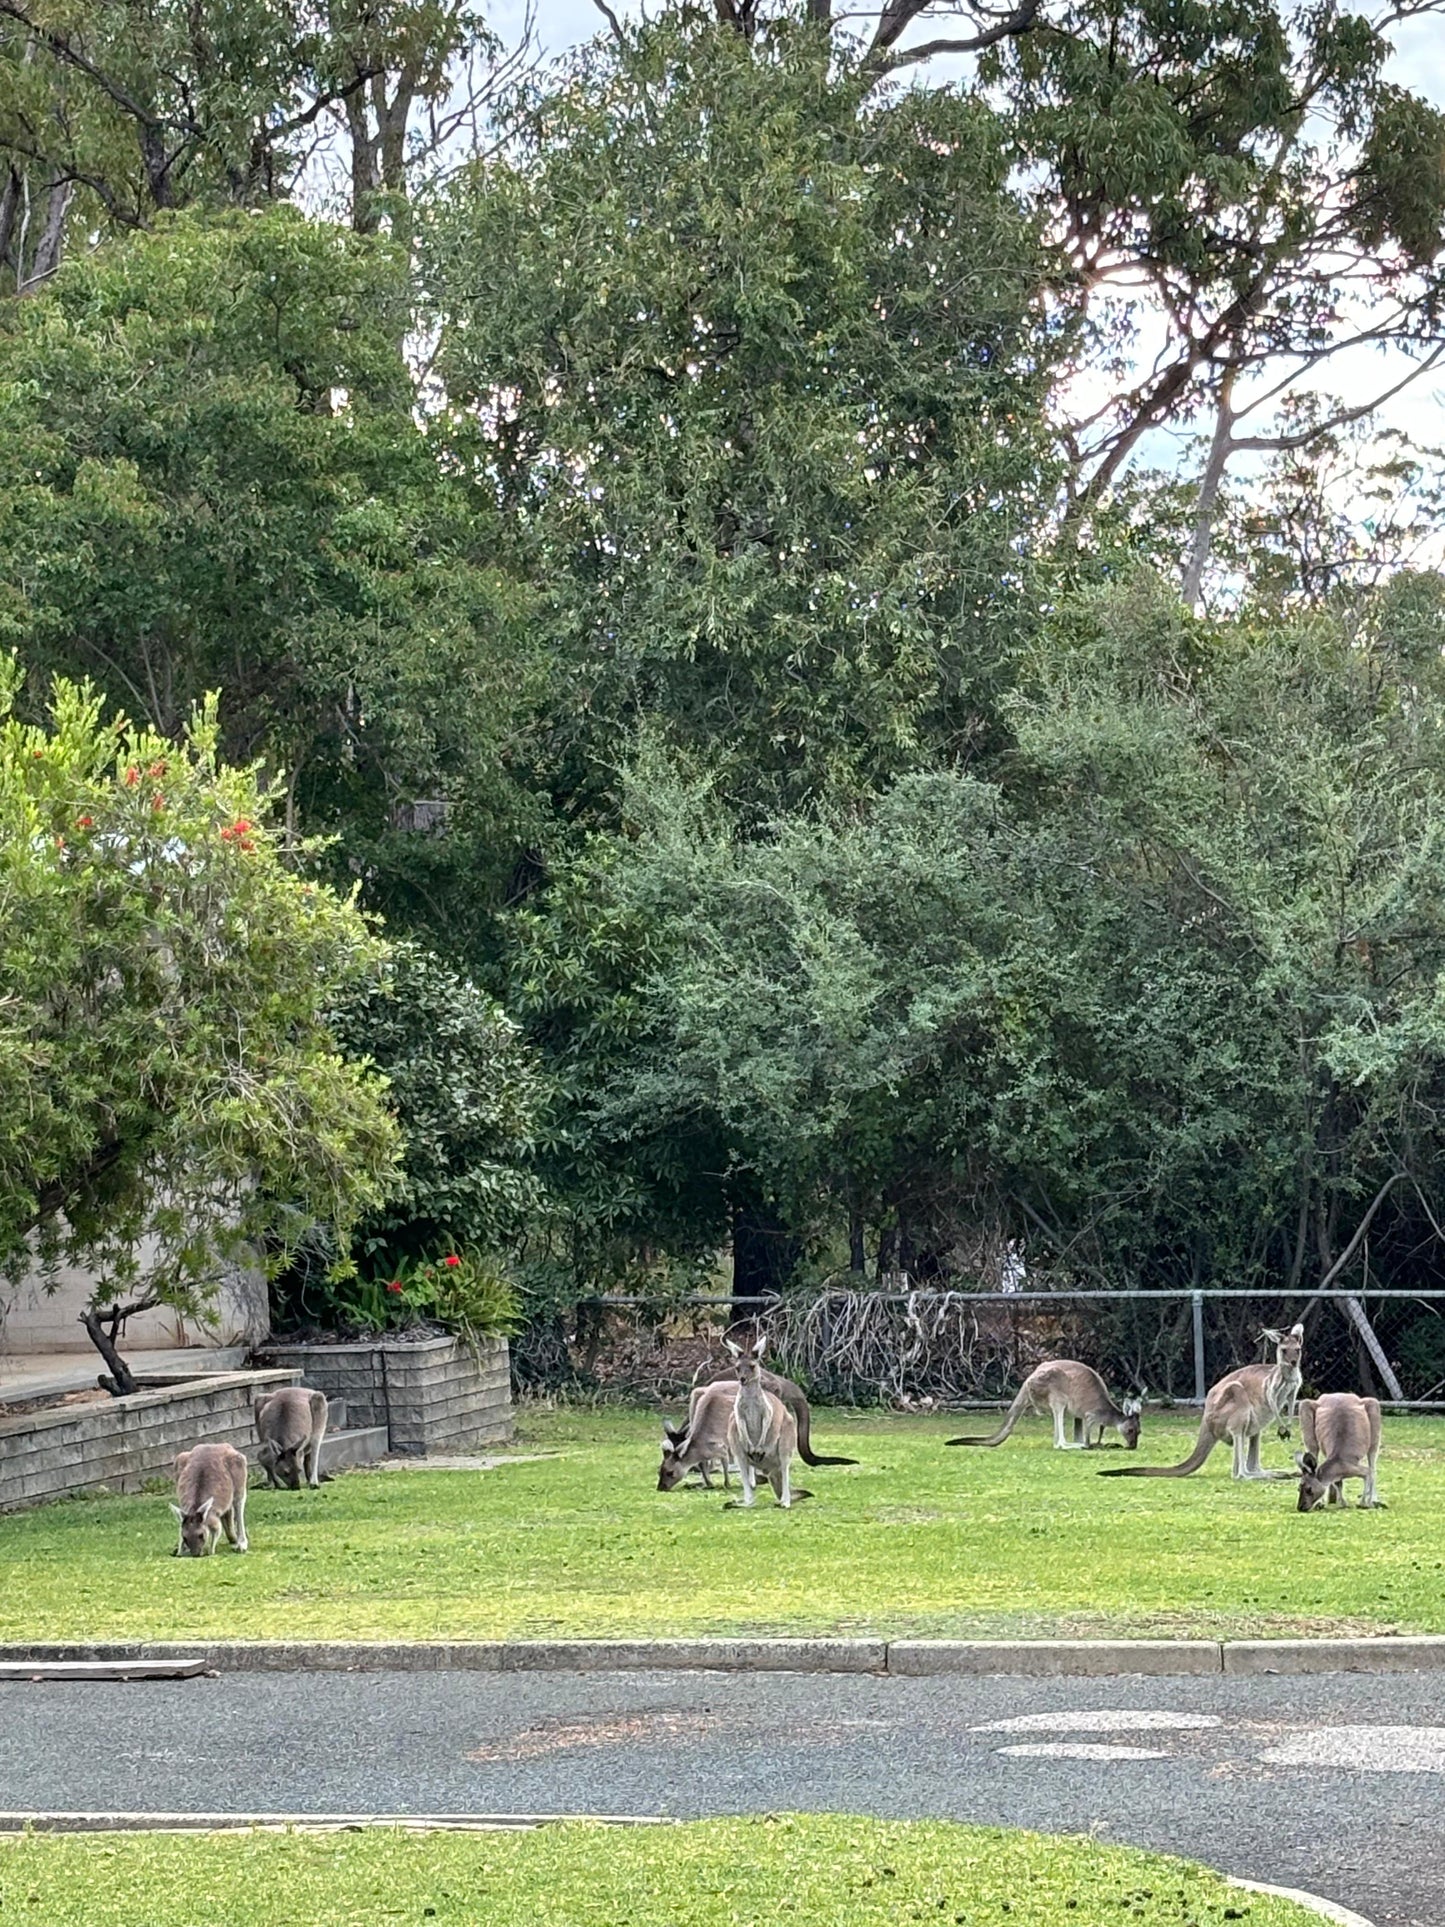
<point x="27" y="1375"/>
<point x="1334" y="1783"/>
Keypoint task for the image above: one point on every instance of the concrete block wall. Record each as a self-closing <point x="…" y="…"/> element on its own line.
<point x="435" y="1396"/>
<point x="117" y="1446"/>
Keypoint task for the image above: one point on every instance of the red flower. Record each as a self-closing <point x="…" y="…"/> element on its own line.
<point x="132" y="775"/>
<point x="453" y="1260"/>
<point x="395" y="1285"/>
<point x="242" y="825"/>
<point x="156" y="769"/>
<point x="158" y="802"/>
<point x="84" y="822"/>
<point x="247" y="844"/>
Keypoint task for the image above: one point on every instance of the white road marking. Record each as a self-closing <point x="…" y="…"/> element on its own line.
<point x="1120" y="1720"/>
<point x="1079" y="1750"/>
<point x="1364" y="1749"/>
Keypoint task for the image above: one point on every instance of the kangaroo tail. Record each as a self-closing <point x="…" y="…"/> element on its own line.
<point x="1204" y="1445"/>
<point x="804" y="1422"/>
<point x="1011" y="1419"/>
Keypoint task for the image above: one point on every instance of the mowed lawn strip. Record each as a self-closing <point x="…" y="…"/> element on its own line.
<point x="827" y="1871"/>
<point x="916" y="1540"/>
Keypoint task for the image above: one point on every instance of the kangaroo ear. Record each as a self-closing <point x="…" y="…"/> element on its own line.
<point x="205" y="1509"/>
<point x="1133" y="1407"/>
<point x="1268" y="1332"/>
<point x="1296" y="1331"/>
<point x="177" y="1510"/>
<point x="760" y="1345"/>
<point x="736" y="1350"/>
<point x="1306" y="1461"/>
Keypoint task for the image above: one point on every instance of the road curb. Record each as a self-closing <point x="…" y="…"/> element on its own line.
<point x="1326" y="1909"/>
<point x="1041" y="1658"/>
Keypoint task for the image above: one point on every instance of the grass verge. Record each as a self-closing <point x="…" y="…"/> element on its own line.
<point x="1018" y="1542"/>
<point x="824" y="1871"/>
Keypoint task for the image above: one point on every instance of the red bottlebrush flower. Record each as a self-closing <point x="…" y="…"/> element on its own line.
<point x="242" y="825"/>
<point x="453" y="1260"/>
<point x="395" y="1285"/>
<point x="37" y="752"/>
<point x="132" y="776"/>
<point x="156" y="769"/>
<point x="84" y="822"/>
<point x="158" y="802"/>
<point x="247" y="844"/>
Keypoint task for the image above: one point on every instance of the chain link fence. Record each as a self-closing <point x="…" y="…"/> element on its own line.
<point x="956" y="1348"/>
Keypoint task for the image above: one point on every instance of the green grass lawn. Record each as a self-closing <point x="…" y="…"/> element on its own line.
<point x="820" y="1871"/>
<point x="914" y="1540"/>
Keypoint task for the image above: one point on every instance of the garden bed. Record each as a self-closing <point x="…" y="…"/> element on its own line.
<point x="116" y="1444"/>
<point x="433" y="1394"/>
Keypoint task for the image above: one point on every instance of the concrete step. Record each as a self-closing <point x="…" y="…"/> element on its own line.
<point x="359" y="1447"/>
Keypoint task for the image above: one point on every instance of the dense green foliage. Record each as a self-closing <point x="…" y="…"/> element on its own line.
<point x="707" y="1873"/>
<point x="166" y="1074"/>
<point x="665" y="557"/>
<point x="580" y="1544"/>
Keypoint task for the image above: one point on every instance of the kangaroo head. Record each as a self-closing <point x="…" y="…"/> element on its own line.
<point x="1313" y="1490"/>
<point x="672" y="1471"/>
<point x="1288" y="1346"/>
<point x="200" y="1528"/>
<point x="748" y="1363"/>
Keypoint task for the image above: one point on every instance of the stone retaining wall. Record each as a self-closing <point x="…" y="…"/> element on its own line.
<point x="435" y="1396"/>
<point x="117" y="1446"/>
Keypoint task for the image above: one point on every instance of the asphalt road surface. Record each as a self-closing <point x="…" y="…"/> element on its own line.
<point x="1336" y="1783"/>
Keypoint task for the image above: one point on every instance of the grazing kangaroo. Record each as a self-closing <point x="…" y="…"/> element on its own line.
<point x="796" y="1400"/>
<point x="1238" y="1408"/>
<point x="211" y="1488"/>
<point x="291" y="1423"/>
<point x="763" y="1434"/>
<point x="1342" y="1441"/>
<point x="1069" y="1390"/>
<point x="703" y="1441"/>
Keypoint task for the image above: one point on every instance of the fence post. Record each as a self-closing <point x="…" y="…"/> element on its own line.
<point x="1200" y="1386"/>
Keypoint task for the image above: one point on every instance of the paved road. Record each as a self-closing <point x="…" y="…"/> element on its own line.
<point x="1335" y="1783"/>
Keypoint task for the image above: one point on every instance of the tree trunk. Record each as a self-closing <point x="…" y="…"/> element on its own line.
<point x="120" y="1380"/>
<point x="1219" y="452"/>
<point x="49" y="247"/>
<point x="765" y="1255"/>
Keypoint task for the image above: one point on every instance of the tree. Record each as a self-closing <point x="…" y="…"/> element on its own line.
<point x="170" y="1091"/>
<point x="465" y="1093"/>
<point x="1244" y="199"/>
<point x="1164" y="1007"/>
<point x="212" y="478"/>
<point x="113" y="114"/>
<point x="758" y="394"/>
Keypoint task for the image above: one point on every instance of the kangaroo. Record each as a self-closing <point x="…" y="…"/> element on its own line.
<point x="1342" y="1441"/>
<point x="291" y="1423"/>
<point x="1070" y="1391"/>
<point x="211" y="1487"/>
<point x="763" y="1434"/>
<point x="1238" y="1408"/>
<point x="703" y="1441"/>
<point x="796" y="1400"/>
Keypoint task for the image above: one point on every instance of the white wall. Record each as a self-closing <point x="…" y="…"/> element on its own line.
<point x="34" y="1319"/>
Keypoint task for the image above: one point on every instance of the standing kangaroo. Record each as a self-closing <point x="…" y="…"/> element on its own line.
<point x="291" y="1423"/>
<point x="1342" y="1441"/>
<point x="1069" y="1390"/>
<point x="794" y="1397"/>
<point x="211" y="1489"/>
<point x="763" y="1435"/>
<point x="1238" y="1408"/>
<point x="703" y="1441"/>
